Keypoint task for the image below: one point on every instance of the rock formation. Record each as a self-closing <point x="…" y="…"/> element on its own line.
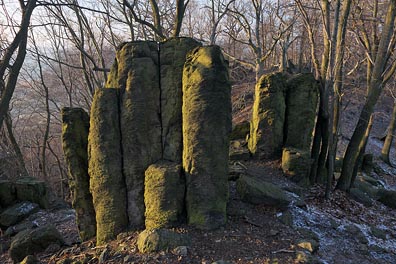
<point x="75" y="128"/>
<point x="206" y="127"/>
<point x="105" y="166"/>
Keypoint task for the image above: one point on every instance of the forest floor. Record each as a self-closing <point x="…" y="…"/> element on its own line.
<point x="261" y="234"/>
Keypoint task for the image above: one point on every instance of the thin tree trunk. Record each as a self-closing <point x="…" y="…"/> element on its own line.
<point x="389" y="137"/>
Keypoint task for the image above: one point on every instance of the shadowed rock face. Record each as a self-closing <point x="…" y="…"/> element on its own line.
<point x="267" y="124"/>
<point x="75" y="128"/>
<point x="206" y="127"/>
<point x="302" y="101"/>
<point x="105" y="166"/>
<point x="138" y="81"/>
<point x="172" y="57"/>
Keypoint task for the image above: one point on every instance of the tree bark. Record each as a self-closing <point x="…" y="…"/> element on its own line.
<point x="389" y="137"/>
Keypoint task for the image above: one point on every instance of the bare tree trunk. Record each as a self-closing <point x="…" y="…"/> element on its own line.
<point x="389" y="137"/>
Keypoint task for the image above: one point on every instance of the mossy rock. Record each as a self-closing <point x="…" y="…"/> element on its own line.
<point x="17" y="213"/>
<point x="267" y="124"/>
<point x="173" y="54"/>
<point x="32" y="190"/>
<point x="239" y="131"/>
<point x="301" y="107"/>
<point x="259" y="192"/>
<point x="163" y="194"/>
<point x="33" y="241"/>
<point x="107" y="184"/>
<point x="7" y="193"/>
<point x="75" y="128"/>
<point x="154" y="240"/>
<point x="296" y="164"/>
<point x="387" y="197"/>
<point x="206" y="114"/>
<point x="136" y="74"/>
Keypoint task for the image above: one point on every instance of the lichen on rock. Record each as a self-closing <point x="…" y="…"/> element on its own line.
<point x="75" y="128"/>
<point x="206" y="114"/>
<point x="267" y="124"/>
<point x="105" y="166"/>
<point x="163" y="194"/>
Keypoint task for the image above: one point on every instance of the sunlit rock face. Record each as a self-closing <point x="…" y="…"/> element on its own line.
<point x="206" y="128"/>
<point x="162" y="120"/>
<point x="107" y="183"/>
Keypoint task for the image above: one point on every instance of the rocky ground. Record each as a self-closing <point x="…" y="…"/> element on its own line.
<point x="308" y="230"/>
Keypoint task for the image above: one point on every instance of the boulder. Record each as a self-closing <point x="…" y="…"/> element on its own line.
<point x="366" y="187"/>
<point x="105" y="166"/>
<point x="7" y="193"/>
<point x="161" y="239"/>
<point x="206" y="114"/>
<point x="296" y="164"/>
<point x="17" y="213"/>
<point x="172" y="57"/>
<point x="267" y="124"/>
<point x="163" y="194"/>
<point x="33" y="241"/>
<point x="255" y="191"/>
<point x="75" y="128"/>
<point x="240" y="131"/>
<point x="32" y="190"/>
<point x="301" y="107"/>
<point x="387" y="197"/>
<point x="360" y="196"/>
<point x="135" y="73"/>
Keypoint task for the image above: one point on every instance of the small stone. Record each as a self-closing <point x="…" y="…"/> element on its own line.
<point x="378" y="232"/>
<point x="308" y="244"/>
<point x="30" y="259"/>
<point x="221" y="262"/>
<point x="155" y="240"/>
<point x="181" y="251"/>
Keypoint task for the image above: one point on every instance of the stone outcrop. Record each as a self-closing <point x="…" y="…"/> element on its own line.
<point x="17" y="213"/>
<point x="75" y="128"/>
<point x="33" y="241"/>
<point x="163" y="194"/>
<point x="259" y="192"/>
<point x="302" y="100"/>
<point x="7" y="193"/>
<point x="161" y="239"/>
<point x="206" y="127"/>
<point x="137" y="78"/>
<point x="267" y="124"/>
<point x="105" y="166"/>
<point x="32" y="190"/>
<point x="172" y="57"/>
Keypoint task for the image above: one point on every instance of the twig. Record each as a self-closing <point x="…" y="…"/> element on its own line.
<point x="283" y="251"/>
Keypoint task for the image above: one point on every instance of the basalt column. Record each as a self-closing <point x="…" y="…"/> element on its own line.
<point x="75" y="127"/>
<point x="172" y="57"/>
<point x="136" y="73"/>
<point x="266" y="127"/>
<point x="105" y="166"/>
<point x="206" y="114"/>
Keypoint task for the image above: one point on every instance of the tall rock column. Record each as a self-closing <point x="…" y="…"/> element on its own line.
<point x="136" y="73"/>
<point x="107" y="184"/>
<point x="75" y="127"/>
<point x="172" y="57"/>
<point x="206" y="114"/>
<point x="267" y="124"/>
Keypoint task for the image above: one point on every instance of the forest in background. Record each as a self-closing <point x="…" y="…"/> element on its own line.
<point x="56" y="53"/>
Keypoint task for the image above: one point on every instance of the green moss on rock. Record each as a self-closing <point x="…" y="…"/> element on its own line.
<point x="161" y="239"/>
<point x="163" y="194"/>
<point x="267" y="124"/>
<point x="75" y="128"/>
<point x="33" y="241"/>
<point x="136" y="74"/>
<point x="258" y="192"/>
<point x="206" y="114"/>
<point x="296" y="164"/>
<point x="32" y="190"/>
<point x="302" y="102"/>
<point x="172" y="57"/>
<point x="105" y="163"/>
